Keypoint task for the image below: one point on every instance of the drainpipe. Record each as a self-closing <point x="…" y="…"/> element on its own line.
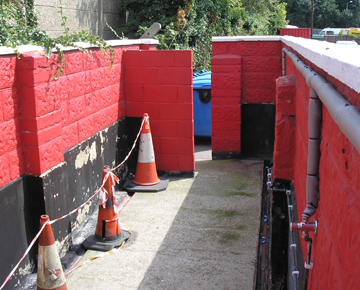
<point x="346" y="116"/>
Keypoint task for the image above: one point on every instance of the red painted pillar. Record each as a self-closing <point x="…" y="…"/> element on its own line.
<point x="40" y="113"/>
<point x="284" y="148"/>
<point x="225" y="104"/>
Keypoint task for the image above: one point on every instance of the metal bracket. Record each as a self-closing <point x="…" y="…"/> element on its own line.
<point x="309" y="266"/>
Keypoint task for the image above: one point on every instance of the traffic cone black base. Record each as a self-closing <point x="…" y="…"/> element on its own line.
<point x="130" y="186"/>
<point x="93" y="243"/>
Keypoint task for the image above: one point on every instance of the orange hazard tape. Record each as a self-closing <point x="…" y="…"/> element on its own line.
<point x="110" y="173"/>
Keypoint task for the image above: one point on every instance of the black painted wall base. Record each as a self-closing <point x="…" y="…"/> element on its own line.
<point x="257" y="131"/>
<point x="225" y="155"/>
<point x="19" y="215"/>
<point x="56" y="193"/>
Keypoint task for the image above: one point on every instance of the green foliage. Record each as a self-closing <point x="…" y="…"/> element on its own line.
<point x="18" y="26"/>
<point x="265" y="18"/>
<point x="145" y="12"/>
<point x="191" y="24"/>
<point x="327" y="13"/>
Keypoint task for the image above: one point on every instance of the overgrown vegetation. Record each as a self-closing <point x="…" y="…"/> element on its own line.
<point x="327" y="13"/>
<point x="191" y="24"/>
<point x="18" y="26"/>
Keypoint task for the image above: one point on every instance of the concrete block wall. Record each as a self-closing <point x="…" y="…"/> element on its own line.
<point x="225" y="103"/>
<point x="57" y="135"/>
<point x="244" y="70"/>
<point x="284" y="148"/>
<point x="11" y="149"/>
<point x="334" y="251"/>
<point x="160" y="83"/>
<point x="56" y="115"/>
<point x="81" y="15"/>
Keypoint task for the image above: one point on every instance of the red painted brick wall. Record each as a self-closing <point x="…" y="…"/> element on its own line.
<point x="11" y="149"/>
<point x="56" y="115"/>
<point x="242" y="72"/>
<point x="335" y="247"/>
<point x="298" y="32"/>
<point x="225" y="102"/>
<point x="284" y="148"/>
<point x="160" y="83"/>
<point x="41" y="118"/>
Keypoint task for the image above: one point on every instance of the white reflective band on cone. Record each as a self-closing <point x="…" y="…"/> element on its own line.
<point x="146" y="149"/>
<point x="48" y="263"/>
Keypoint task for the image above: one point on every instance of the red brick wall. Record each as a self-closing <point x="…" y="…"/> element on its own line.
<point x="11" y="149"/>
<point x="56" y="115"/>
<point x="242" y="72"/>
<point x="298" y="32"/>
<point x="41" y="118"/>
<point x="160" y="83"/>
<point x="335" y="247"/>
<point x="284" y="149"/>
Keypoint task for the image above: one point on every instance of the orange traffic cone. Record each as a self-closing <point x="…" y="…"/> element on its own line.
<point x="146" y="178"/>
<point x="50" y="274"/>
<point x="146" y="168"/>
<point x="108" y="233"/>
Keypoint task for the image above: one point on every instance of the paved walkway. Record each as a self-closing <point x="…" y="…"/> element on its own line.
<point x="201" y="233"/>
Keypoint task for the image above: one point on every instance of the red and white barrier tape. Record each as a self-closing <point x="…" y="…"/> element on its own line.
<point x="93" y="258"/>
<point x="132" y="148"/>
<point x="23" y="257"/>
<point x="109" y="173"/>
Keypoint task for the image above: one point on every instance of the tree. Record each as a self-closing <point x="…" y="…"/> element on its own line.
<point x="327" y="13"/>
<point x="191" y="24"/>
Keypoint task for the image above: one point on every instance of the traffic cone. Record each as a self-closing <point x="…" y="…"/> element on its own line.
<point x="146" y="168"/>
<point x="146" y="178"/>
<point x="108" y="233"/>
<point x="50" y="274"/>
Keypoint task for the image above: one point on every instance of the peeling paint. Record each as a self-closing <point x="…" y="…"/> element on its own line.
<point x="83" y="214"/>
<point x="64" y="245"/>
<point x="103" y="140"/>
<point x="84" y="156"/>
<point x="27" y="269"/>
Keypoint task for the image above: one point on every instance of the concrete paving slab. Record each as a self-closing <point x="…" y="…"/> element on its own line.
<point x="201" y="233"/>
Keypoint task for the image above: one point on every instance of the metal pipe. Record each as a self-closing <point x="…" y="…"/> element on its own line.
<point x="308" y="265"/>
<point x="283" y="63"/>
<point x="292" y="242"/>
<point x="346" y="116"/>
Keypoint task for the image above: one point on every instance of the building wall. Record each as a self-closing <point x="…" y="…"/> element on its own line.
<point x="81" y="15"/>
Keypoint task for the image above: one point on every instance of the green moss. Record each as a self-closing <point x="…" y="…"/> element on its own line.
<point x="228" y="237"/>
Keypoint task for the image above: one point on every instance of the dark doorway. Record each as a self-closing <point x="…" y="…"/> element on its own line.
<point x="257" y="130"/>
